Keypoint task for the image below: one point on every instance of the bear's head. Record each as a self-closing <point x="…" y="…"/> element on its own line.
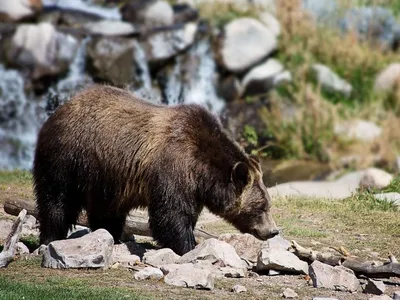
<point x="252" y="210"/>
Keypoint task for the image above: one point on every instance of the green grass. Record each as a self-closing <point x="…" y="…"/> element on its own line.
<point x="60" y="288"/>
<point x="18" y="176"/>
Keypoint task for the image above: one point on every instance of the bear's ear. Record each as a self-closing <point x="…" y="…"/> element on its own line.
<point x="240" y="176"/>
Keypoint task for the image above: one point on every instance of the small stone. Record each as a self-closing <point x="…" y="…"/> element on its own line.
<point x="330" y="80"/>
<point x="289" y="294"/>
<point x="239" y="289"/>
<point x="280" y="260"/>
<point x="334" y="278"/>
<point x="374" y="287"/>
<point x="230" y="272"/>
<point x="273" y="273"/>
<point x="93" y="250"/>
<point x="374" y="178"/>
<point x="110" y="28"/>
<point x="389" y="197"/>
<point x="160" y="257"/>
<point x="361" y="130"/>
<point x="387" y="78"/>
<point x="21" y="248"/>
<point x="40" y="250"/>
<point x="191" y="276"/>
<point x="396" y="295"/>
<point x="214" y="250"/>
<point x="149" y="273"/>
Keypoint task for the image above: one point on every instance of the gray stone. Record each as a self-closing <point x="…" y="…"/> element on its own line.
<point x="334" y="278"/>
<point x="389" y="197"/>
<point x="246" y="42"/>
<point x="40" y="250"/>
<point x="277" y="242"/>
<point x="149" y="273"/>
<point x="246" y="245"/>
<point x="374" y="178"/>
<point x="18" y="9"/>
<point x="330" y="80"/>
<point x="270" y="21"/>
<point x="230" y="272"/>
<point x="191" y="276"/>
<point x="110" y="28"/>
<point x="396" y="295"/>
<point x="281" y="260"/>
<point x="127" y="254"/>
<point x="261" y="78"/>
<point x="239" y="289"/>
<point x="214" y="250"/>
<point x="93" y="250"/>
<point x="5" y="229"/>
<point x="41" y="50"/>
<point x="21" y="249"/>
<point x="361" y="130"/>
<point x="160" y="257"/>
<point x="289" y="294"/>
<point x="374" y="287"/>
<point x="386" y="80"/>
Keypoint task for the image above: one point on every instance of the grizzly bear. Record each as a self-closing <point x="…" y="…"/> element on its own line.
<point x="108" y="152"/>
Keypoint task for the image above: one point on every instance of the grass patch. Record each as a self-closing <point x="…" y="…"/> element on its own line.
<point x="18" y="176"/>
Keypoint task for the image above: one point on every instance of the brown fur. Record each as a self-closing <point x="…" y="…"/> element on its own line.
<point x="109" y="152"/>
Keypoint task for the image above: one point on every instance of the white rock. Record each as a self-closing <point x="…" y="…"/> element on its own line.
<point x="390" y="197"/>
<point x="21" y="248"/>
<point x="17" y="9"/>
<point x="246" y="42"/>
<point x="381" y="297"/>
<point x="387" y="78"/>
<point x="93" y="250"/>
<point x="149" y="273"/>
<point x="213" y="250"/>
<point x="110" y="28"/>
<point x="374" y="178"/>
<point x="40" y="250"/>
<point x="330" y="80"/>
<point x="5" y="228"/>
<point x="246" y="245"/>
<point x="262" y="78"/>
<point x="396" y="295"/>
<point x="277" y="242"/>
<point x="271" y="22"/>
<point x="191" y="276"/>
<point x="160" y="257"/>
<point x="42" y="48"/>
<point x="281" y="260"/>
<point x="358" y="129"/>
<point x="230" y="272"/>
<point x="289" y="294"/>
<point x="374" y="287"/>
<point x="335" y="278"/>
<point x="239" y="289"/>
<point x="159" y="14"/>
<point x="323" y="298"/>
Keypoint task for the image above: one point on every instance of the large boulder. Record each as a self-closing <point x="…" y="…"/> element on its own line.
<point x="93" y="250"/>
<point x="246" y="42"/>
<point x="40" y="50"/>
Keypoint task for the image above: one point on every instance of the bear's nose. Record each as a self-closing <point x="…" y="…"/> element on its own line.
<point x="273" y="233"/>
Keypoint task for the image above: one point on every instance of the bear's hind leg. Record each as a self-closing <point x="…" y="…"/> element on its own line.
<point x="112" y="222"/>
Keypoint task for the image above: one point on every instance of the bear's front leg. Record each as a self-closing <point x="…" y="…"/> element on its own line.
<point x="172" y="230"/>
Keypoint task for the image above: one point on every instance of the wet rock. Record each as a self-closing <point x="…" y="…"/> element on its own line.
<point x="330" y="80"/>
<point x="262" y="78"/>
<point x="396" y="295"/>
<point x="163" y="45"/>
<point x="148" y="13"/>
<point x="21" y="248"/>
<point x="289" y="294"/>
<point x="278" y="259"/>
<point x="214" y="250"/>
<point x="18" y="9"/>
<point x="191" y="276"/>
<point x="374" y="287"/>
<point x="111" y="28"/>
<point x="149" y="273"/>
<point x="334" y="278"/>
<point x="108" y="58"/>
<point x="388" y="78"/>
<point x="246" y="42"/>
<point x="246" y="245"/>
<point x="40" y="50"/>
<point x="93" y="250"/>
<point x="239" y="289"/>
<point x="361" y="130"/>
<point x="160" y="257"/>
<point x="374" y="178"/>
